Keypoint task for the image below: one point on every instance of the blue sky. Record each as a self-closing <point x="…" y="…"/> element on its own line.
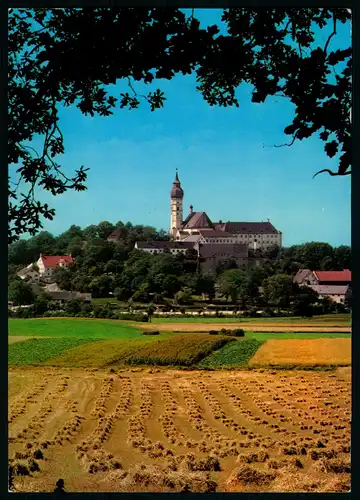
<point x="224" y="167"/>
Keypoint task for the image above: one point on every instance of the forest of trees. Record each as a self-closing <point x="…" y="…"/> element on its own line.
<point x="107" y="269"/>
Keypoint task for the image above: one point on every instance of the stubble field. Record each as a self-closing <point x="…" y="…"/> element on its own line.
<point x="160" y="430"/>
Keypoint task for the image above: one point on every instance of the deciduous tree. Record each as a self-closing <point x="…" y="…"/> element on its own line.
<point x="72" y="56"/>
<point x="20" y="292"/>
<point x="279" y="289"/>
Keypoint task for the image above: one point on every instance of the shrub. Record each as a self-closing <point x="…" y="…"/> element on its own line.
<point x="33" y="466"/>
<point x="73" y="306"/>
<point x="239" y="332"/>
<point x="38" y="454"/>
<point x="253" y="312"/>
<point x="269" y="312"/>
<point x="151" y="332"/>
<point x="21" y="469"/>
<point x="133" y="317"/>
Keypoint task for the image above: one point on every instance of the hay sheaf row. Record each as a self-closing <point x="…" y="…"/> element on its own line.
<point x="91" y="450"/>
<point x="167" y="422"/>
<point x="33" y="429"/>
<point x="328" y="414"/>
<point x="25" y="462"/>
<point x="144" y="478"/>
<point x="241" y="408"/>
<point x="21" y="404"/>
<point x="213" y="441"/>
<point x="137" y="427"/>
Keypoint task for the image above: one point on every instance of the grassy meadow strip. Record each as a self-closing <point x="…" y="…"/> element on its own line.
<point x="232" y="355"/>
<point x="37" y="350"/>
<point x="333" y="319"/>
<point x="100" y="354"/>
<point x="72" y="327"/>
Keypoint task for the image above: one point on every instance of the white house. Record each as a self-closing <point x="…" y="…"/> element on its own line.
<point x="48" y="263"/>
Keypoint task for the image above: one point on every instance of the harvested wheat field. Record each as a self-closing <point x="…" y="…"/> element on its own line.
<point x="312" y="352"/>
<point x="167" y="430"/>
<point x="249" y="327"/>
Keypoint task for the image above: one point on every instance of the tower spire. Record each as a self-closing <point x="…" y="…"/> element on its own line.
<point x="176" y="201"/>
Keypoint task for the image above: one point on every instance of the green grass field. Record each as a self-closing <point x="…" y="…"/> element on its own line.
<point x="232" y="355"/>
<point x="81" y="353"/>
<point x="334" y="319"/>
<point x="103" y="343"/>
<point x="34" y="351"/>
<point x="73" y="328"/>
<point x="100" y="354"/>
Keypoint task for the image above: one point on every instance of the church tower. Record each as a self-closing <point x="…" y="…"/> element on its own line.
<point x="176" y="212"/>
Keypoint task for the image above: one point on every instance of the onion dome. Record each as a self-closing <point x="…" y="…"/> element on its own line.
<point x="176" y="190"/>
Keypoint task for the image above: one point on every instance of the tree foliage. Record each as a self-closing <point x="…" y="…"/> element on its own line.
<point x="20" y="292"/>
<point x="72" y="57"/>
<point x="279" y="289"/>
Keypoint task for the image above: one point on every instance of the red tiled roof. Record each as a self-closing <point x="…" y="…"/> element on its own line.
<point x="164" y="244"/>
<point x="115" y="234"/>
<point x="344" y="275"/>
<point x="197" y="220"/>
<point x="301" y="275"/>
<point x="330" y="289"/>
<point x="212" y="233"/>
<point x="247" y="227"/>
<point x="53" y="260"/>
<point x="224" y="250"/>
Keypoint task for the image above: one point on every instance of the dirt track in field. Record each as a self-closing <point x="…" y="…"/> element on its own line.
<point x="150" y="430"/>
<point x="249" y="327"/>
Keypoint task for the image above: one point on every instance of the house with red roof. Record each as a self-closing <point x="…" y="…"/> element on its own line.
<point x="336" y="278"/>
<point x="48" y="263"/>
<point x="335" y="285"/>
<point x="333" y="277"/>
